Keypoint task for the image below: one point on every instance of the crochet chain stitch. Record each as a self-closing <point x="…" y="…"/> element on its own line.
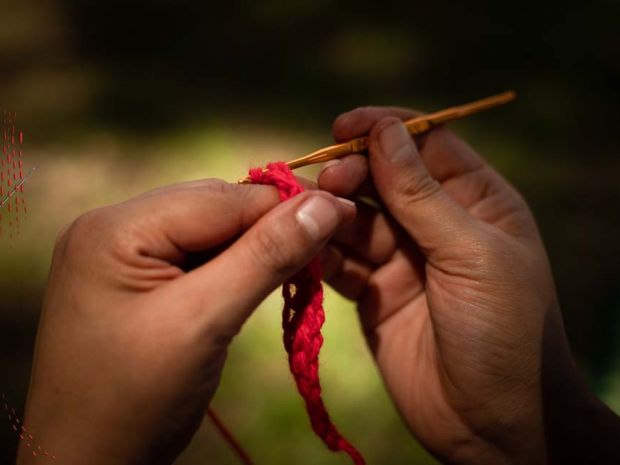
<point x="302" y="319"/>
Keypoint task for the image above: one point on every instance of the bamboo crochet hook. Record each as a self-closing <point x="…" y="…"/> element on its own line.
<point x="417" y="125"/>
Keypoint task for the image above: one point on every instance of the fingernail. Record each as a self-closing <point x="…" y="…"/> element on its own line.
<point x="318" y="217"/>
<point x="329" y="164"/>
<point x="396" y="144"/>
<point x="346" y="202"/>
<point x="336" y="161"/>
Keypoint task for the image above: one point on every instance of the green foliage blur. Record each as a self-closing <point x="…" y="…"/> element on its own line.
<point x="118" y="97"/>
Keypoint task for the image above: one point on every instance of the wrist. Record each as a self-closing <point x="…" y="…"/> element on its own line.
<point x="78" y="436"/>
<point x="517" y="434"/>
<point x="516" y="424"/>
<point x="69" y="446"/>
<point x="579" y="427"/>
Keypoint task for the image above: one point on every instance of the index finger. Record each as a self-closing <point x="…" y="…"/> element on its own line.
<point x="358" y="122"/>
<point x="194" y="216"/>
<point x="445" y="155"/>
<point x="170" y="222"/>
<point x="349" y="175"/>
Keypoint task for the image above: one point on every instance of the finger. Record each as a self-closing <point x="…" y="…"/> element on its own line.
<point x="400" y="282"/>
<point x="475" y="185"/>
<point x="351" y="177"/>
<point x="447" y="156"/>
<point x="171" y="220"/>
<point x="271" y="251"/>
<point x="347" y="275"/>
<point x="344" y="176"/>
<point x="412" y="196"/>
<point x="371" y="235"/>
<point x="347" y="177"/>
<point x="469" y="188"/>
<point x="168" y="223"/>
<point x="358" y="122"/>
<point x="307" y="184"/>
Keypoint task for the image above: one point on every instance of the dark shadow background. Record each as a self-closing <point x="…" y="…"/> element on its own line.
<point x="147" y="67"/>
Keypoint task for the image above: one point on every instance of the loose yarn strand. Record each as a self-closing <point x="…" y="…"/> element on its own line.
<point x="230" y="439"/>
<point x="302" y="319"/>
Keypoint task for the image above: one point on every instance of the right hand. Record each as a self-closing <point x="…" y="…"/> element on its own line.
<point x="453" y="288"/>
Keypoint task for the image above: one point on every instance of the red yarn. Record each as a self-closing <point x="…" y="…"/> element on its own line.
<point x="230" y="439"/>
<point x="302" y="319"/>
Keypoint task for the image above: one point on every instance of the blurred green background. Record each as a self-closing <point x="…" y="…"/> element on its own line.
<point x="117" y="97"/>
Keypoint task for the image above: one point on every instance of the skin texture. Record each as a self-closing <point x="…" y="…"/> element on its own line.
<point x="453" y="289"/>
<point x="457" y="300"/>
<point x="131" y="343"/>
<point x="442" y="256"/>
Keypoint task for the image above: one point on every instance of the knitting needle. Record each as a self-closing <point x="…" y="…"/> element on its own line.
<point x="417" y="125"/>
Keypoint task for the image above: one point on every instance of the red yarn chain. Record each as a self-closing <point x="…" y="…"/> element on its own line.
<point x="302" y="319"/>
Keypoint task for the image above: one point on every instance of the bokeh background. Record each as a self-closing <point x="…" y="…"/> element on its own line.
<point x="118" y="97"/>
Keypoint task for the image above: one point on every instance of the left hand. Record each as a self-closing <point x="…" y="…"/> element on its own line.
<point x="135" y="325"/>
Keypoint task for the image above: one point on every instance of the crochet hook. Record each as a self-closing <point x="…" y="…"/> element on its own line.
<point x="417" y="125"/>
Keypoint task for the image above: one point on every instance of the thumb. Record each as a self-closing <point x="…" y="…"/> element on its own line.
<point x="412" y="196"/>
<point x="283" y="241"/>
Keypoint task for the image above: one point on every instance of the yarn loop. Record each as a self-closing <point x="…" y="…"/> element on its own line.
<point x="302" y="318"/>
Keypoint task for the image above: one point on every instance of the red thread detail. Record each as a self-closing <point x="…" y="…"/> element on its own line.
<point x="22" y="432"/>
<point x="302" y="319"/>
<point x="11" y="172"/>
<point x="230" y="439"/>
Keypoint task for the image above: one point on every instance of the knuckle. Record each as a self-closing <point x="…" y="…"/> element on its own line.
<point x="83" y="236"/>
<point x="343" y="124"/>
<point x="369" y="113"/>
<point x="407" y="113"/>
<point x="61" y="237"/>
<point x="126" y="241"/>
<point x="341" y="120"/>
<point x="351" y="118"/>
<point x="271" y="252"/>
<point x="219" y="186"/>
<point x="418" y="188"/>
<point x="81" y="230"/>
<point x="366" y="109"/>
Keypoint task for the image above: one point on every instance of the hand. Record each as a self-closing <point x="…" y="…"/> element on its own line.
<point x="131" y="342"/>
<point x="454" y="290"/>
